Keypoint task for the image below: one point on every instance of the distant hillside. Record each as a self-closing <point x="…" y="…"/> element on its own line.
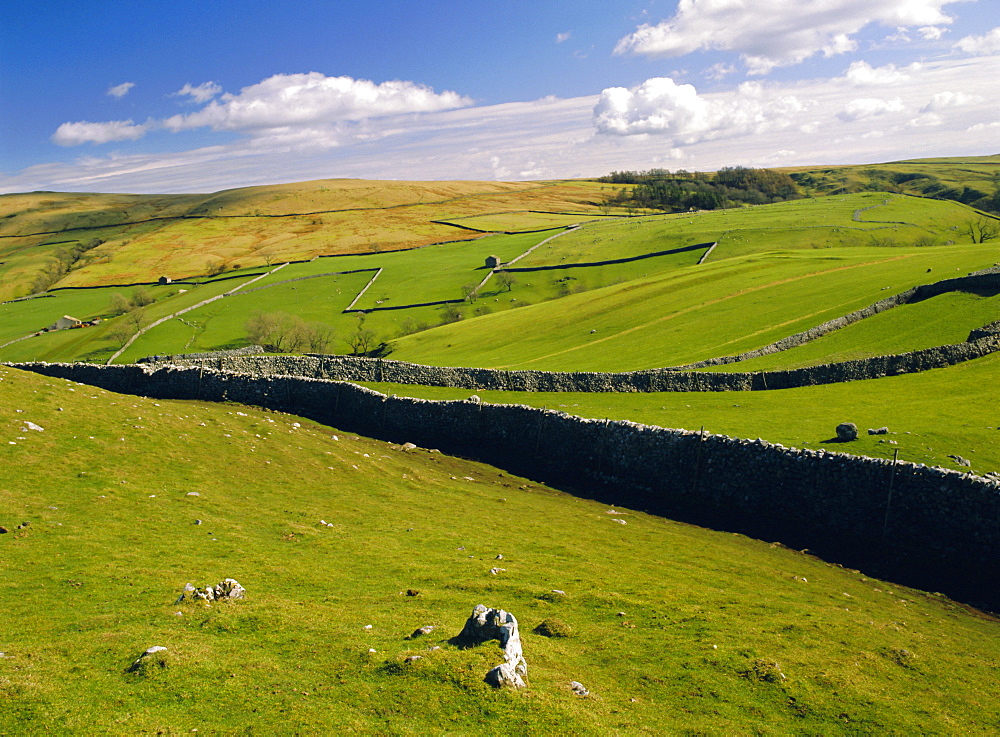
<point x="50" y="239"/>
<point x="971" y="180"/>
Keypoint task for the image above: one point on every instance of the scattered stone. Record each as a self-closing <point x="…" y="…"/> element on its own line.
<point x="578" y="688"/>
<point x="412" y="592"/>
<point x="3" y="530"/>
<point x="227" y="589"/>
<point x="499" y="557"/>
<point x="144" y="661"/>
<point x="486" y="624"/>
<point x="408" y="447"/>
<point x="847" y="431"/>
<point x="414" y="658"/>
<point x="193" y="493"/>
<point x="368" y="626"/>
<point x="878" y="431"/>
<point x="475" y="399"/>
<point x="961" y="461"/>
<point x="425" y="630"/>
<point x="197" y="522"/>
<point x="495" y="571"/>
<point x="32" y="426"/>
<point x="620" y="521"/>
<point x="560" y="592"/>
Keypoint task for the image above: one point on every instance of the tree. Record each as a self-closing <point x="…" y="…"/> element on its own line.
<point x="506" y="280"/>
<point x="121" y="332"/>
<point x="469" y="292"/>
<point x="120" y="304"/>
<point x="361" y="340"/>
<point x="279" y="332"/>
<point x="983" y="229"/>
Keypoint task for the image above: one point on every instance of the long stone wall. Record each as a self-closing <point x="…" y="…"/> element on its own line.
<point x="933" y="528"/>
<point x="351" y="368"/>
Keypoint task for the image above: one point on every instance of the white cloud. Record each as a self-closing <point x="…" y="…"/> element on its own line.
<point x="869" y="107"/>
<point x="302" y="100"/>
<point x="862" y="74"/>
<point x="785" y="32"/>
<point x="560" y="37"/>
<point x="944" y="100"/>
<point x="986" y="44"/>
<point x="74" y="134"/>
<point x="720" y="71"/>
<point x="120" y="90"/>
<point x="931" y="33"/>
<point x="663" y="107"/>
<point x="202" y="93"/>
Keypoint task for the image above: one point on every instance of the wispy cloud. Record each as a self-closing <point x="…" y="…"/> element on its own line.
<point x="862" y="74"/>
<point x="870" y="107"/>
<point x="561" y="37"/>
<point x="200" y="94"/>
<point x="74" y="134"/>
<point x="120" y="90"/>
<point x="288" y="109"/>
<point x="787" y="32"/>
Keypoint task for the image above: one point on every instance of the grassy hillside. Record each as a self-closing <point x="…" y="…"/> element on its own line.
<point x="634" y="282"/>
<point x="56" y="239"/>
<point x="699" y="632"/>
<point x="972" y="180"/>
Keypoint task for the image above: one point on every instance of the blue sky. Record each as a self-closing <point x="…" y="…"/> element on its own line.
<point x="151" y="96"/>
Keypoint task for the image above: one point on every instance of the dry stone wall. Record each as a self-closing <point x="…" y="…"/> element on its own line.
<point x="930" y="527"/>
<point x="350" y="368"/>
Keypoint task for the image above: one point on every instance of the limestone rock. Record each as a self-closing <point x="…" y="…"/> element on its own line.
<point x="847" y="431"/>
<point x="878" y="431"/>
<point x="228" y="589"/>
<point x="425" y="630"/>
<point x="486" y="624"/>
<point x="578" y="688"/>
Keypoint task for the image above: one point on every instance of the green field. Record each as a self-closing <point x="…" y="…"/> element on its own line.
<point x="673" y="628"/>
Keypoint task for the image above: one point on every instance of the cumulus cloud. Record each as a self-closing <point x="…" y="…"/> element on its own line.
<point x="988" y="43"/>
<point x="869" y="107"/>
<point x="788" y="32"/>
<point x="74" y="134"/>
<point x="560" y="37"/>
<point x="661" y="106"/>
<point x="301" y="100"/>
<point x="120" y="90"/>
<point x="202" y="93"/>
<point x="862" y="74"/>
<point x="944" y="100"/>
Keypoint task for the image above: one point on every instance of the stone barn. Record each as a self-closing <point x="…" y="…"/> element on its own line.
<point x="492" y="262"/>
<point x="64" y="322"/>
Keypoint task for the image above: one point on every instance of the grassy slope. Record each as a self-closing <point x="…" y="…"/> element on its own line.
<point x="252" y="225"/>
<point x="704" y="615"/>
<point x="720" y="308"/>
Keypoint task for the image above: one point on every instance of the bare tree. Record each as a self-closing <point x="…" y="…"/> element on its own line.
<point x="983" y="229"/>
<point x="506" y="280"/>
<point x="469" y="292"/>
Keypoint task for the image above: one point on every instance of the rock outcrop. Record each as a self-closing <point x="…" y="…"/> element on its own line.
<point x="495" y="624"/>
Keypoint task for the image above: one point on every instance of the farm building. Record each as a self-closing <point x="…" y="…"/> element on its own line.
<point x="64" y="322"/>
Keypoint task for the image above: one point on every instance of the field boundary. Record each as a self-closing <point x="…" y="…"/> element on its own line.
<point x="928" y="527"/>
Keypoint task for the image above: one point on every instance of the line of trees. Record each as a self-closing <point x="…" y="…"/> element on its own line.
<point x="733" y="186"/>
